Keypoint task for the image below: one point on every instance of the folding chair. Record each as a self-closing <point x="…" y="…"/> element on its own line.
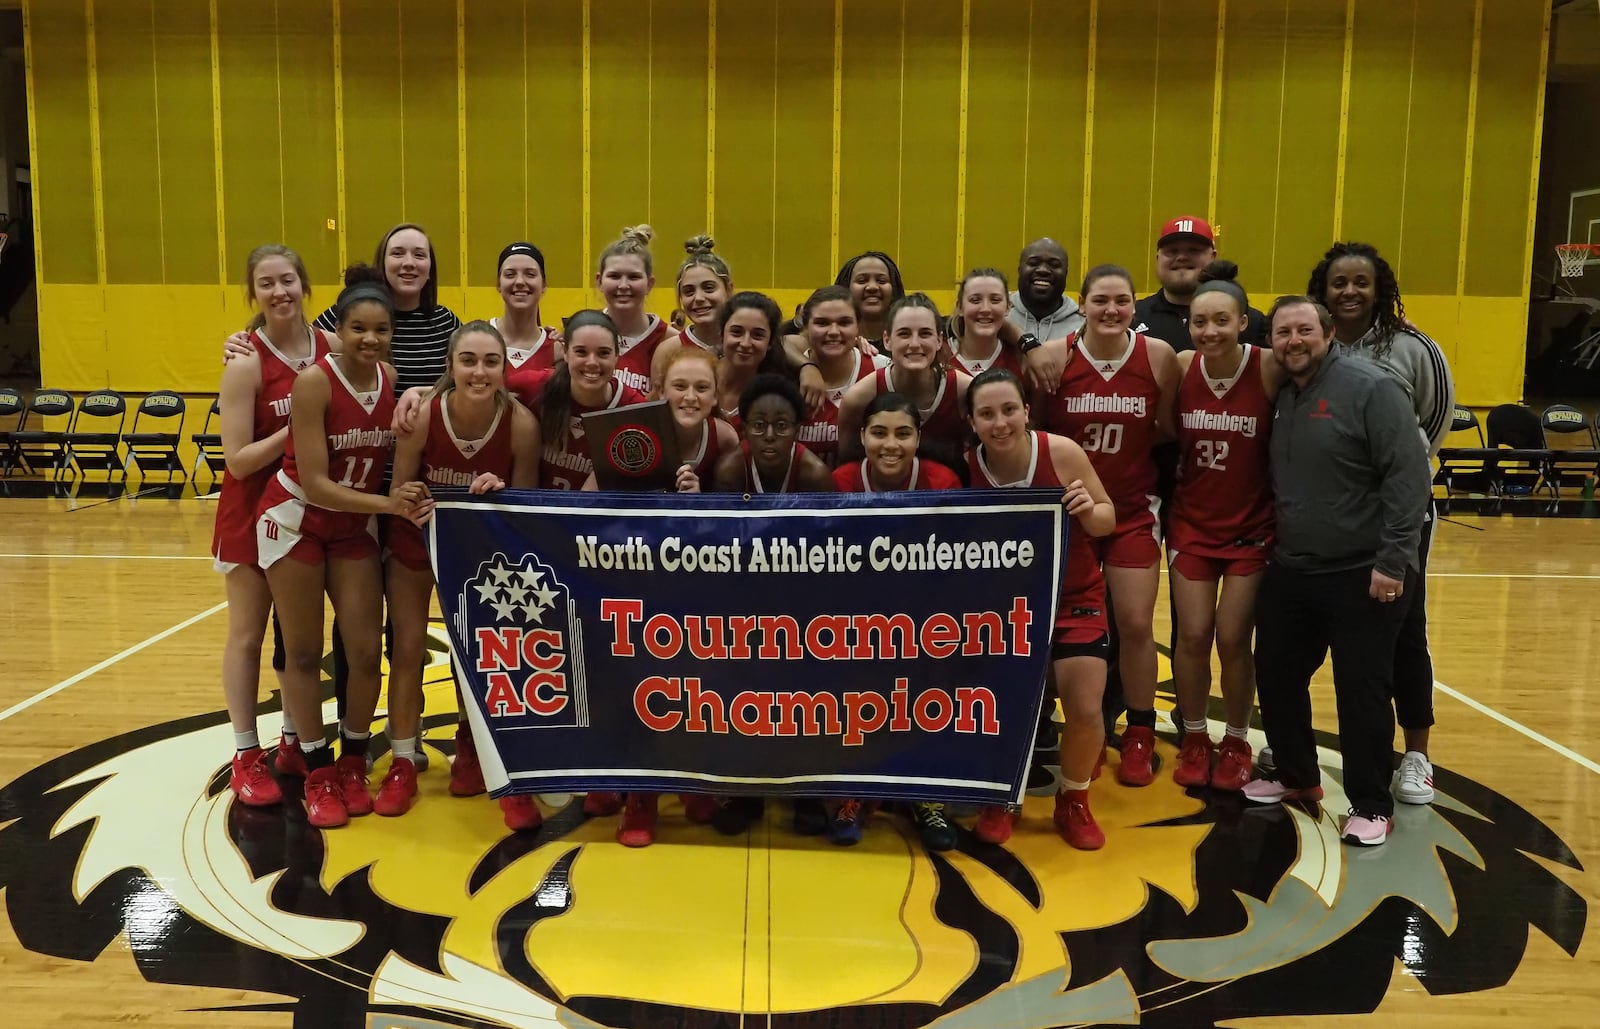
<point x="209" y="443"/>
<point x="156" y="451"/>
<point x="13" y="409"/>
<point x="98" y="448"/>
<point x="37" y="448"/>
<point x="1569" y="465"/>
<point x="1461" y="467"/>
<point x="1517" y="467"/>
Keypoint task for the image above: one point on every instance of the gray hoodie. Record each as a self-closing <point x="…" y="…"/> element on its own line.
<point x="1419" y="366"/>
<point x="1349" y="472"/>
<point x="1063" y="321"/>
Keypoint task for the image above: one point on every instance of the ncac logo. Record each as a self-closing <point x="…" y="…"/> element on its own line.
<point x="525" y="643"/>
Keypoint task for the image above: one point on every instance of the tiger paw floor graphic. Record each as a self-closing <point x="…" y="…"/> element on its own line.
<point x="1198" y="910"/>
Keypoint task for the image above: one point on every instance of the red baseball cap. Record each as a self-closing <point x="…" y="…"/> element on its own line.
<point x="1186" y="227"/>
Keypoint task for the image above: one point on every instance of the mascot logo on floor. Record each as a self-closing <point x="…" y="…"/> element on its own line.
<point x="1197" y="911"/>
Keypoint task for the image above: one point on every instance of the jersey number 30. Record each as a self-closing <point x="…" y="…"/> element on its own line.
<point x="1102" y="439"/>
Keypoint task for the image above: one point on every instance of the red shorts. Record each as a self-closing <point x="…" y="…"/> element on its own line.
<point x="233" y="538"/>
<point x="1135" y="542"/>
<point x="1197" y="568"/>
<point x="290" y="527"/>
<point x="1081" y="616"/>
<point x="403" y="542"/>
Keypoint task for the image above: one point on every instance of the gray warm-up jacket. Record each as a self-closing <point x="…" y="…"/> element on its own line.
<point x="1063" y="321"/>
<point x="1419" y="366"/>
<point x="1349" y="471"/>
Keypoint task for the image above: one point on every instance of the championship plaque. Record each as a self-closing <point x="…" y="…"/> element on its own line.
<point x="634" y="449"/>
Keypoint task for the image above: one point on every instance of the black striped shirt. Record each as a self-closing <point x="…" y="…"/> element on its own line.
<point x="417" y="349"/>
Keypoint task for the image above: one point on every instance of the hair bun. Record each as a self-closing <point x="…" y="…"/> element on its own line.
<point x="640" y="234"/>
<point x="696" y="245"/>
<point x="361" y="274"/>
<point x="1220" y="270"/>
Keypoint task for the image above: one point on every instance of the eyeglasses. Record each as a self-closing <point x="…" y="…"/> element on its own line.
<point x="778" y="428"/>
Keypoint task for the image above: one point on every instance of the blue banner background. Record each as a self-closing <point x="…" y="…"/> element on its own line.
<point x="511" y="563"/>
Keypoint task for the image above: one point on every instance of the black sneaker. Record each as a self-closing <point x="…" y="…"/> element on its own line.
<point x="735" y="815"/>
<point x="810" y="818"/>
<point x="937" y="833"/>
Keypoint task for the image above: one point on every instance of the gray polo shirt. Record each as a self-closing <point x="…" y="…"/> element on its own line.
<point x="1350" y="471"/>
<point x="1063" y="321"/>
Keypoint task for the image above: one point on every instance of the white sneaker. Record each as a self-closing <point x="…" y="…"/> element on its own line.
<point x="1413" y="783"/>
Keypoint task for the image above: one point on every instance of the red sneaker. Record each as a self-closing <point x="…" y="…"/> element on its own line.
<point x="398" y="791"/>
<point x="994" y="824"/>
<point x="638" y="827"/>
<point x="1137" y="767"/>
<point x="351" y="772"/>
<point x="699" y="808"/>
<point x="325" y="800"/>
<point x="251" y="782"/>
<point x="466" y="775"/>
<point x="1194" y="760"/>
<point x="1075" y="822"/>
<point x="1234" y="766"/>
<point x="521" y="812"/>
<point x="602" y="803"/>
<point x="290" y="759"/>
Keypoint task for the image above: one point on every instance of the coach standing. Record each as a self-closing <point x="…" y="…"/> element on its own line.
<point x="1350" y="474"/>
<point x="1183" y="249"/>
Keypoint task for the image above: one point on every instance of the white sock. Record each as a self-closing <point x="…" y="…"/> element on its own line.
<point x="288" y="725"/>
<point x="1238" y="732"/>
<point x="307" y="746"/>
<point x="1195" y="725"/>
<point x="406" y="748"/>
<point x="1070" y="786"/>
<point x="243" y="741"/>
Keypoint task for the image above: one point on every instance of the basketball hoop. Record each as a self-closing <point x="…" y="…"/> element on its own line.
<point x="1574" y="256"/>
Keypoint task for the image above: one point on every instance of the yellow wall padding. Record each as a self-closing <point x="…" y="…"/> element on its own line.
<point x="1091" y="121"/>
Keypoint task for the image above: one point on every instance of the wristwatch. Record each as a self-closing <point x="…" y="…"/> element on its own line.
<point x="1027" y="343"/>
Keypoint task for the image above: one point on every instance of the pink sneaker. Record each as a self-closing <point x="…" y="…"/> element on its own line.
<point x="1271" y="791"/>
<point x="1366" y="830"/>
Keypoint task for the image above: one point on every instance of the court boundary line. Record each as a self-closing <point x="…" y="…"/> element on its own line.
<point x="46" y="694"/>
<point x="1516" y="726"/>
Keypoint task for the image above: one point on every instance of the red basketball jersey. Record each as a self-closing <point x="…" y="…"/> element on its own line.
<point x="820" y="431"/>
<point x="449" y="460"/>
<point x="358" y="427"/>
<point x="704" y="458"/>
<point x="523" y="362"/>
<point x="1222" y="506"/>
<point x="1109" y="409"/>
<point x="233" y="538"/>
<point x="942" y="422"/>
<point x="633" y="362"/>
<point x="569" y="467"/>
<point x="856" y="477"/>
<point x="791" y="478"/>
<point x="1001" y="357"/>
<point x="1083" y="588"/>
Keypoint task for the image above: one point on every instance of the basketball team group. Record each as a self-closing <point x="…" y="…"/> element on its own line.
<point x="1281" y="461"/>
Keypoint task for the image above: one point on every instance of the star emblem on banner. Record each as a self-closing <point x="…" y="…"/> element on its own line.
<point x="514" y="589"/>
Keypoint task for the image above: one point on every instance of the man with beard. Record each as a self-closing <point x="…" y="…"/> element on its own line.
<point x="1040" y="306"/>
<point x="1185" y="247"/>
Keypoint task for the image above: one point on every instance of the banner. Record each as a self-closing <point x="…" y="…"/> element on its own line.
<point x="851" y="645"/>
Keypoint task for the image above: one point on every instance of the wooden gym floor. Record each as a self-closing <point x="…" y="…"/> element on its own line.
<point x="134" y="892"/>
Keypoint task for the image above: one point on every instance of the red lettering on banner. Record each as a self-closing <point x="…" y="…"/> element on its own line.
<point x="934" y="723"/>
<point x="761" y="704"/>
<point x="901" y="722"/>
<point x="1020" y="618"/>
<point x="836" y="626"/>
<point x="820" y="712"/>
<point x="501" y="697"/>
<point x="771" y="626"/>
<point x="941" y="636"/>
<point x="626" y="612"/>
<point x="741" y="626"/>
<point x="705" y="637"/>
<point x="885" y="626"/>
<point x="497" y="649"/>
<point x="551" y="656"/>
<point x="545" y="694"/>
<point x="671" y="689"/>
<point x="976" y="622"/>
<point x="709" y="701"/>
<point x="858" y="722"/>
<point x="653" y="630"/>
<point x="969" y="699"/>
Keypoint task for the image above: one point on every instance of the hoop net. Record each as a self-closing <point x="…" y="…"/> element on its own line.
<point x="1573" y="256"/>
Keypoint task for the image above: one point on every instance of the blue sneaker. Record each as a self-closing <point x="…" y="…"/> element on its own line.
<point x="845" y="829"/>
